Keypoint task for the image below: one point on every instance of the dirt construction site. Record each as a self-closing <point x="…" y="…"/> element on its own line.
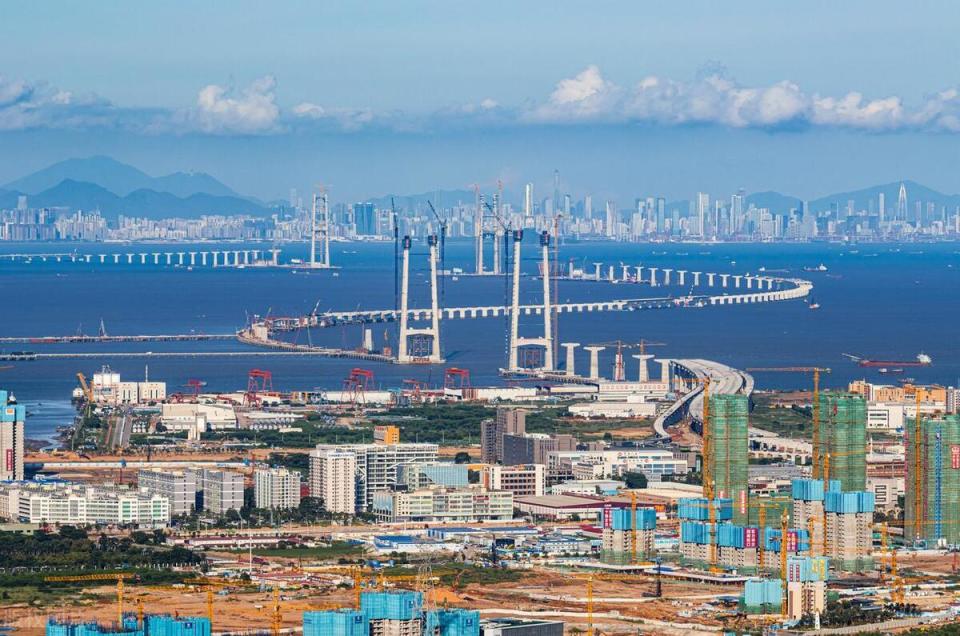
<point x="618" y="607"/>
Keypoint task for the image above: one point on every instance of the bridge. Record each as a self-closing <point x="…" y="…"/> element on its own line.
<point x="194" y="258"/>
<point x="82" y="339"/>
<point x="723" y="380"/>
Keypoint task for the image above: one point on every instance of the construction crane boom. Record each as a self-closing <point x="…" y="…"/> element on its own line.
<point x="119" y="577"/>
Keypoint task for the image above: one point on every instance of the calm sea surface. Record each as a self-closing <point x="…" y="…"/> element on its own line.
<point x="881" y="301"/>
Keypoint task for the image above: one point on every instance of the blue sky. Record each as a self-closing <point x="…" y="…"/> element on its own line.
<point x="625" y="98"/>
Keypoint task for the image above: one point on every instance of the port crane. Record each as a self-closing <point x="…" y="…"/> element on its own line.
<point x="815" y="371"/>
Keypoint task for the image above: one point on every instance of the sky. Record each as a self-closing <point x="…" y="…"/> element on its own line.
<point x="623" y="98"/>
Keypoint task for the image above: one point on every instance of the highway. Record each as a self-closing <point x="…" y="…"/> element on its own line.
<point x="723" y="380"/>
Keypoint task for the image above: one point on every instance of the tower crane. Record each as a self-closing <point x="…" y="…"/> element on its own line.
<point x="783" y="561"/>
<point x="918" y="454"/>
<point x="816" y="371"/>
<point x="87" y="393"/>
<point x="119" y="577"/>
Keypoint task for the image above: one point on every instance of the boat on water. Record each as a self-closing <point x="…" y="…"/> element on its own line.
<point x="813" y="305"/>
<point x="819" y="268"/>
<point x="922" y="360"/>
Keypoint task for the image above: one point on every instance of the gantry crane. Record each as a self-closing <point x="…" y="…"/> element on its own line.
<point x="119" y="577"/>
<point x="816" y="371"/>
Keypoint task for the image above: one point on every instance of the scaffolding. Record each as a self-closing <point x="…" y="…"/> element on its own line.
<point x="729" y="421"/>
<point x="939" y="476"/>
<point x="843" y="438"/>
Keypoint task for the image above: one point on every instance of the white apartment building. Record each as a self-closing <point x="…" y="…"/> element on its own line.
<point x="468" y="505"/>
<point x="77" y="504"/>
<point x="178" y="486"/>
<point x="521" y="480"/>
<point x="222" y="490"/>
<point x="276" y="488"/>
<point x="376" y="466"/>
<point x="333" y="475"/>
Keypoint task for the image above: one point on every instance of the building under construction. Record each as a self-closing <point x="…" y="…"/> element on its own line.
<point x="840" y="523"/>
<point x="626" y="540"/>
<point x="843" y="439"/>
<point x="935" y="481"/>
<point x="728" y="423"/>
<point x="396" y="613"/>
<point x="151" y="625"/>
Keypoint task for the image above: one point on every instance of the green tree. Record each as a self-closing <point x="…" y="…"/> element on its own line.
<point x="635" y="480"/>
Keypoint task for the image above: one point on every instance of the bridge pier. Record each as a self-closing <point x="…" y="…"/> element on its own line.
<point x="236" y="257"/>
<point x="103" y="258"/>
<point x="666" y="373"/>
<point x="723" y="279"/>
<point x="143" y="258"/>
<point x="682" y="275"/>
<point x="696" y="279"/>
<point x="626" y="273"/>
<point x="710" y="277"/>
<point x="736" y="281"/>
<point x="749" y="280"/>
<point x="116" y="259"/>
<point x="596" y="270"/>
<point x="129" y="259"/>
<point x="594" y="361"/>
<point x="610" y="273"/>
<point x="180" y="256"/>
<point x="169" y="257"/>
<point x="666" y="276"/>
<point x="276" y="256"/>
<point x="653" y="276"/>
<point x="156" y="258"/>
<point x="193" y="259"/>
<point x="569" y="367"/>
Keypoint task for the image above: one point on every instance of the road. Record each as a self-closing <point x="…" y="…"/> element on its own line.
<point x="723" y="380"/>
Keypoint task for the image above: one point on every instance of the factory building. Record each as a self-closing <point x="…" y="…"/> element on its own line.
<point x="12" y="422"/>
<point x="178" y="486"/>
<point x="376" y="467"/>
<point x="625" y="532"/>
<point x="332" y="479"/>
<point x="522" y="479"/>
<point x="938" y="474"/>
<point x="220" y="490"/>
<point x="276" y="488"/>
<point x="843" y="439"/>
<point x="443" y="504"/>
<point x="109" y="390"/>
<point x="729" y="423"/>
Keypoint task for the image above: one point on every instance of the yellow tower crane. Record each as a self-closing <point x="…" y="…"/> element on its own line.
<point x="277" y="621"/>
<point x="633" y="526"/>
<point x="119" y="577"/>
<point x="762" y="532"/>
<point x="816" y="371"/>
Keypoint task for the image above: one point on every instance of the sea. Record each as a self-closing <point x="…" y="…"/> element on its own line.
<point x="887" y="301"/>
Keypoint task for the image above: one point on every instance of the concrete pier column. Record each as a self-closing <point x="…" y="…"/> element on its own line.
<point x="236" y="257"/>
<point x="736" y="281"/>
<point x="666" y="276"/>
<point x="214" y="255"/>
<point x="610" y="273"/>
<point x="246" y="257"/>
<point x="116" y="259"/>
<point x="103" y="258"/>
<point x="86" y="257"/>
<point x="143" y="258"/>
<point x="596" y="270"/>
<point x="769" y="283"/>
<point x="169" y="257"/>
<point x="696" y="279"/>
<point x="129" y="259"/>
<point x="653" y="276"/>
<point x="256" y="255"/>
<point x="682" y="274"/>
<point x="570" y="347"/>
<point x="156" y="258"/>
<point x="666" y="374"/>
<point x="180" y="256"/>
<point x="193" y="259"/>
<point x="203" y="258"/>
<point x="626" y="272"/>
<point x="710" y="277"/>
<point x="594" y="361"/>
<point x="644" y="372"/>
<point x="749" y="280"/>
<point x="276" y="256"/>
<point x="639" y="273"/>
<point x="723" y="279"/>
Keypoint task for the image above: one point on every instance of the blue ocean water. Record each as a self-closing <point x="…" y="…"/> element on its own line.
<point x="877" y="300"/>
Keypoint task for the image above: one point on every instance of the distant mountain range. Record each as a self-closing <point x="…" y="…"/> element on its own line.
<point x="114" y="188"/>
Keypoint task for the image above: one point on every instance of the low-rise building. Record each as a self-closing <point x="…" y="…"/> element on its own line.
<point x="443" y="504"/>
<point x="78" y="504"/>
<point x="425" y="474"/>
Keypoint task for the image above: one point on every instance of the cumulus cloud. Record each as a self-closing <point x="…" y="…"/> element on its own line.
<point x="717" y="99"/>
<point x="250" y="110"/>
<point x="25" y="105"/>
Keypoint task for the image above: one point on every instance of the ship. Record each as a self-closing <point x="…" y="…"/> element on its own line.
<point x="922" y="360"/>
<point x="819" y="268"/>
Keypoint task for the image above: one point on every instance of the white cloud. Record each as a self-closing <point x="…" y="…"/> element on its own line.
<point x="586" y="96"/>
<point x="251" y="110"/>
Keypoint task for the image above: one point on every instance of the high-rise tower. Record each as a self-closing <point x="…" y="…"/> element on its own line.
<point x="902" y="203"/>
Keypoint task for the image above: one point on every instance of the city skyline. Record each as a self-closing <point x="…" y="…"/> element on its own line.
<point x="620" y="107"/>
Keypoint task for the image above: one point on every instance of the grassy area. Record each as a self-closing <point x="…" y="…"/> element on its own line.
<point x="788" y="422"/>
